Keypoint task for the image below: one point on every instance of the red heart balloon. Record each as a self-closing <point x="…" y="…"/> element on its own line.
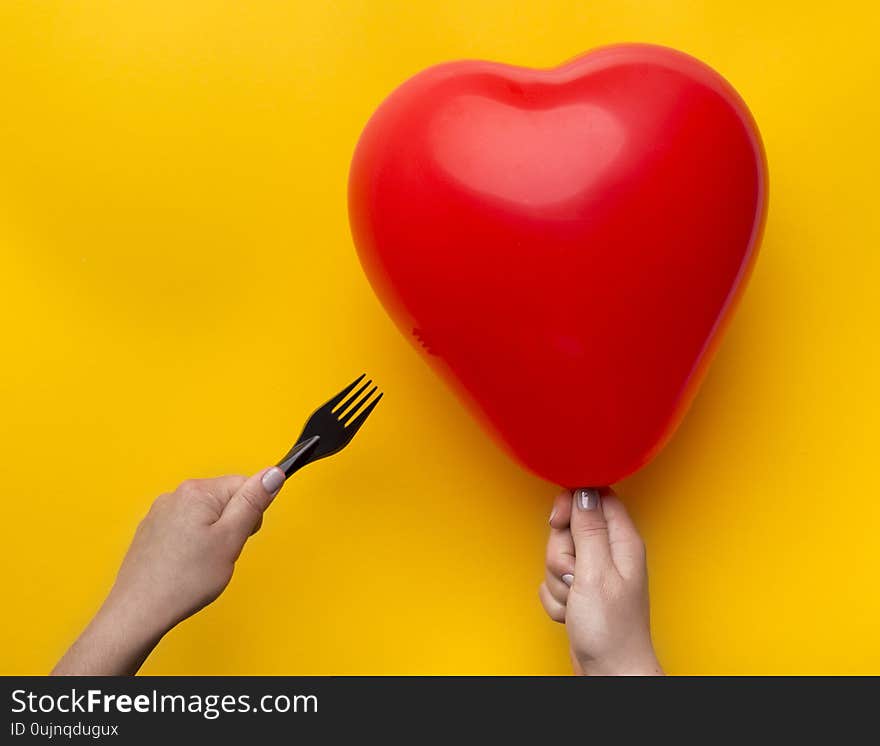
<point x="566" y="245"/>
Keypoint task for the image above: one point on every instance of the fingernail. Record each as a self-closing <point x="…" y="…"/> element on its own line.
<point x="552" y="513"/>
<point x="586" y="499"/>
<point x="568" y="579"/>
<point x="272" y="480"/>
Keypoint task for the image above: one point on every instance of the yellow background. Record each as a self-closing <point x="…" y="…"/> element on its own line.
<point x="178" y="289"/>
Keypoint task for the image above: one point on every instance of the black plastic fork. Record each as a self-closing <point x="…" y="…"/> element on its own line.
<point x="332" y="426"/>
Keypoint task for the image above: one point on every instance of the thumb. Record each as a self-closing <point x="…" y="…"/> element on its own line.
<point x="589" y="530"/>
<point x="245" y="508"/>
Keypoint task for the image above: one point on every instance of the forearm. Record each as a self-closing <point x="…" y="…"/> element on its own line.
<point x="115" y="643"/>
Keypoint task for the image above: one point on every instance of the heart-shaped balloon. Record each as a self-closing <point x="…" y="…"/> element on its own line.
<point x="564" y="245"/>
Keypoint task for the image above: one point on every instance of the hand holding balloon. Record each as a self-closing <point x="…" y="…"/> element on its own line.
<point x="597" y="584"/>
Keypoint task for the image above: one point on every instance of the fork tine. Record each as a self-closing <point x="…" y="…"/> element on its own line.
<point x="356" y="406"/>
<point x="341" y="409"/>
<point x="331" y="405"/>
<point x="354" y="425"/>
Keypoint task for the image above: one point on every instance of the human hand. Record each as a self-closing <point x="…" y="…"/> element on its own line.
<point x="180" y="560"/>
<point x="596" y="582"/>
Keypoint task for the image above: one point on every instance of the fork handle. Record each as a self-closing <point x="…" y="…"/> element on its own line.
<point x="298" y="456"/>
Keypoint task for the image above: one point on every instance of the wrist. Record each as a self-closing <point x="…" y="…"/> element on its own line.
<point x="644" y="664"/>
<point x="133" y="615"/>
